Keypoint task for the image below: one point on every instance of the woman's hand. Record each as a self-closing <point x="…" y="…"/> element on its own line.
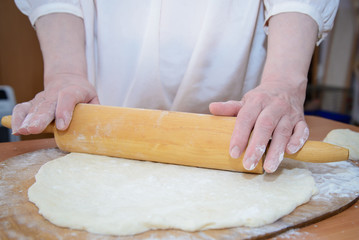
<point x="57" y="101"/>
<point x="270" y="111"/>
<point x="62" y="42"/>
<point x="275" y="108"/>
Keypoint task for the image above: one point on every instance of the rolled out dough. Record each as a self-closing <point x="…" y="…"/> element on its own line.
<point x="345" y="138"/>
<point x="121" y="197"/>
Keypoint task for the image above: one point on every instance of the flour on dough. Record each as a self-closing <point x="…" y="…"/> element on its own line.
<point x="122" y="197"/>
<point x="345" y="138"/>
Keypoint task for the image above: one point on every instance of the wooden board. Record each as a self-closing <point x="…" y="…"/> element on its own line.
<point x="19" y="218"/>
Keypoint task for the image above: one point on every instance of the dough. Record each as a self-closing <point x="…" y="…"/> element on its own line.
<point x="345" y="138"/>
<point x="121" y="197"/>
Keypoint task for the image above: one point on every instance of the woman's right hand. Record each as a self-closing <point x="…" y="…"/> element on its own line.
<point x="62" y="42"/>
<point x="57" y="101"/>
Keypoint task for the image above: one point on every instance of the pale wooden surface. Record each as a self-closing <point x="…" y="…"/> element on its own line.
<point x="342" y="226"/>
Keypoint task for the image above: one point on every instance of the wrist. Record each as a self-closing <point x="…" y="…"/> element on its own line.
<point x="291" y="82"/>
<point x="59" y="80"/>
<point x="286" y="75"/>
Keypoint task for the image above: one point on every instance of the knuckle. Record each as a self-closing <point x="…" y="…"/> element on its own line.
<point x="256" y="97"/>
<point x="245" y="119"/>
<point x="267" y="123"/>
<point x="22" y="106"/>
<point x="282" y="104"/>
<point x="41" y="96"/>
<point x="285" y="130"/>
<point x="260" y="99"/>
<point x="44" y="98"/>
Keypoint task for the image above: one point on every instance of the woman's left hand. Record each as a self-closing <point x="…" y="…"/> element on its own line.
<point x="273" y="111"/>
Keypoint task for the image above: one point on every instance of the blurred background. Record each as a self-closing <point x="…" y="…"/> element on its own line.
<point x="333" y="89"/>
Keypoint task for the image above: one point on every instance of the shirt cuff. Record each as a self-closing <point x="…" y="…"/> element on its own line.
<point x="299" y="8"/>
<point x="54" y="8"/>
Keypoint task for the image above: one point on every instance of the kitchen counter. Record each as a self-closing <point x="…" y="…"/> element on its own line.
<point x="344" y="225"/>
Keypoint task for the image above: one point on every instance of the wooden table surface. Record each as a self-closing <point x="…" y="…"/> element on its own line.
<point x="343" y="226"/>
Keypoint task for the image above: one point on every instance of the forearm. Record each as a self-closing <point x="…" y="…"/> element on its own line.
<point x="62" y="42"/>
<point x="291" y="41"/>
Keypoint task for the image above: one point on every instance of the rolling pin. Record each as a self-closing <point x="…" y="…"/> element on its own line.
<point x="189" y="139"/>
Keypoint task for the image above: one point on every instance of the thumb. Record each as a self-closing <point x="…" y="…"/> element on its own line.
<point x="230" y="108"/>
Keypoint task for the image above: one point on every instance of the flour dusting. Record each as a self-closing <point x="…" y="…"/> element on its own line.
<point x="293" y="234"/>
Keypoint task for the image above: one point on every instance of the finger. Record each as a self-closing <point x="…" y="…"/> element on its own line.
<point x="18" y="116"/>
<point x="230" y="108"/>
<point x="244" y="124"/>
<point x="66" y="103"/>
<point x="264" y="127"/>
<point x="40" y="115"/>
<point x="95" y="100"/>
<point x="299" y="137"/>
<point x="280" y="139"/>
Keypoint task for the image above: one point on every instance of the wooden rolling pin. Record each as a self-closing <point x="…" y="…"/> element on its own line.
<point x="169" y="137"/>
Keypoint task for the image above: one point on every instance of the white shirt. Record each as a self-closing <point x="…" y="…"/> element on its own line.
<point x="177" y="55"/>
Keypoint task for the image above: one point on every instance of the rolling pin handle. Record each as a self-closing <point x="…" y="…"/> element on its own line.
<point x="6" y="121"/>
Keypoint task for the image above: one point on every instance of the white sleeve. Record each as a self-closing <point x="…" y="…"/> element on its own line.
<point x="37" y="8"/>
<point x="322" y="11"/>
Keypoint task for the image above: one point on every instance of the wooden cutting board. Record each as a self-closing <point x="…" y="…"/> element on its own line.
<point x="19" y="218"/>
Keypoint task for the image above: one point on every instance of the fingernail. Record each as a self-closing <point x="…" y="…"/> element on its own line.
<point x="60" y="123"/>
<point x="304" y="138"/>
<point x="272" y="168"/>
<point x="293" y="148"/>
<point x="235" y="152"/>
<point x="251" y="162"/>
<point x="253" y="165"/>
<point x="306" y="133"/>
